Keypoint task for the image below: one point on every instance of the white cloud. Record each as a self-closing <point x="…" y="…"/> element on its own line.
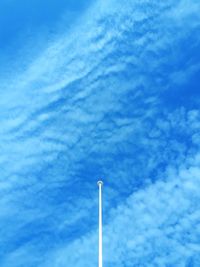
<point x="158" y="225"/>
<point x="91" y="104"/>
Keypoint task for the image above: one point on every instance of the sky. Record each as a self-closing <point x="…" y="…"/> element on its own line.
<point x="99" y="89"/>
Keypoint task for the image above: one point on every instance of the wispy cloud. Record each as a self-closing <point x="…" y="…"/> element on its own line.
<point x="104" y="100"/>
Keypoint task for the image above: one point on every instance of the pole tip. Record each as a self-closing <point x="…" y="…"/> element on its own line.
<point x="99" y="183"/>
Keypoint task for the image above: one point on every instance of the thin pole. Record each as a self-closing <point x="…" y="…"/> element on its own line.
<point x="100" y="184"/>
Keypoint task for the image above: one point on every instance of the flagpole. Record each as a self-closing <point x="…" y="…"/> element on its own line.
<point x="100" y="184"/>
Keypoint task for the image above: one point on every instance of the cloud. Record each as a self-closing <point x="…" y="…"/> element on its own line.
<point x="102" y="101"/>
<point x="156" y="226"/>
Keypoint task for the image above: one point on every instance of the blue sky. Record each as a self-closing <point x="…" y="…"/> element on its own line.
<point x="99" y="89"/>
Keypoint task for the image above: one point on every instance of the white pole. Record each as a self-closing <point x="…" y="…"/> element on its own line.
<point x="100" y="184"/>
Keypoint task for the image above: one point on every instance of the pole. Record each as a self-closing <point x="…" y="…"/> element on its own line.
<point x="100" y="184"/>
